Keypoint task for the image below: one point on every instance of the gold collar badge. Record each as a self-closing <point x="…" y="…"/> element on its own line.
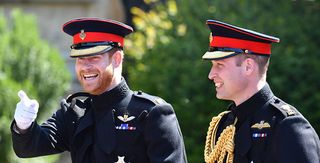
<point x="288" y="109"/>
<point x="261" y="125"/>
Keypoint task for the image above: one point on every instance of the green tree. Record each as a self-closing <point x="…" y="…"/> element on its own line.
<point x="165" y="57"/>
<point x="26" y="62"/>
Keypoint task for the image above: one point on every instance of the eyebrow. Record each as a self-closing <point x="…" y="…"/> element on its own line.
<point x="218" y="61"/>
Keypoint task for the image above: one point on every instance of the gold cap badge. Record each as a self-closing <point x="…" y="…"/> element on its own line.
<point x="210" y="37"/>
<point x="82" y="34"/>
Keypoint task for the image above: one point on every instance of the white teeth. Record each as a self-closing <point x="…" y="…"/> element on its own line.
<point x="218" y="85"/>
<point x="88" y="76"/>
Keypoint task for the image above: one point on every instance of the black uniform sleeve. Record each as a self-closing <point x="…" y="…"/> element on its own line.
<point x="47" y="138"/>
<point x="163" y="136"/>
<point x="296" y="141"/>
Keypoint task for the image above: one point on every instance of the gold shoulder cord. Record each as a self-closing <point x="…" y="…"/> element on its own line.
<point x="216" y="152"/>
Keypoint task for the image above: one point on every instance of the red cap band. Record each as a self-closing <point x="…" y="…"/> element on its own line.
<point x="96" y="37"/>
<point x="255" y="47"/>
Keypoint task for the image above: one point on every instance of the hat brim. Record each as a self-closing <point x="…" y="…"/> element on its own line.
<point x="216" y="55"/>
<point x="90" y="51"/>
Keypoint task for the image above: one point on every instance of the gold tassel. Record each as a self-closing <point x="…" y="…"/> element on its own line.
<point x="216" y="152"/>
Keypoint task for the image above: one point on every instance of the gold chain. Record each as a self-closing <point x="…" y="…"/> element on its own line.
<point x="225" y="145"/>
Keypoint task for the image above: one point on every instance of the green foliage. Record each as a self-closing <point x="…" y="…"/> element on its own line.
<point x="164" y="57"/>
<point x="26" y="62"/>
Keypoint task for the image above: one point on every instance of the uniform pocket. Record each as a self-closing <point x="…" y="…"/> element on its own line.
<point x="259" y="144"/>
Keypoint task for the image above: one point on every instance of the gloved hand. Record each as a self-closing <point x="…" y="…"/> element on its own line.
<point x="26" y="111"/>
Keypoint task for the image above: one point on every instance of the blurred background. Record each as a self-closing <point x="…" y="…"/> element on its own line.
<point x="163" y="56"/>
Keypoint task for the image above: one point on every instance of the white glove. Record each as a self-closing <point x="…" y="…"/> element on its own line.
<point x="26" y="111"/>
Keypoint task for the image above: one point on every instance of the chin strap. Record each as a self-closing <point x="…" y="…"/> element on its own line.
<point x="216" y="152"/>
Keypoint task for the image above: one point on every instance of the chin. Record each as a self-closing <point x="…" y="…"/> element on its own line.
<point x="220" y="97"/>
<point x="89" y="89"/>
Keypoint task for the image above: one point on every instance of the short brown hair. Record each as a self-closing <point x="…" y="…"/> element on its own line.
<point x="262" y="61"/>
<point x="113" y="50"/>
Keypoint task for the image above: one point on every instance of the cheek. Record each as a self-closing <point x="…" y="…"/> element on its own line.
<point x="77" y="69"/>
<point x="239" y="80"/>
<point x="105" y="67"/>
<point x="234" y="77"/>
<point x="77" y="66"/>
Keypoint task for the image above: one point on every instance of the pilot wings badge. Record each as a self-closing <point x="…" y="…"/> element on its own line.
<point x="261" y="125"/>
<point x="125" y="118"/>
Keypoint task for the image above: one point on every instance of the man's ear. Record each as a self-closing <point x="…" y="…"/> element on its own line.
<point x="249" y="66"/>
<point x="117" y="58"/>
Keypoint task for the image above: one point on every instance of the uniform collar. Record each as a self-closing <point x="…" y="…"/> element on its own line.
<point x="111" y="97"/>
<point x="250" y="106"/>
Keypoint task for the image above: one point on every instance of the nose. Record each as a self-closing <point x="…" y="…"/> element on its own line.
<point x="87" y="66"/>
<point x="212" y="74"/>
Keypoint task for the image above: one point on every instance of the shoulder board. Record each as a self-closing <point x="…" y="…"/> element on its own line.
<point x="284" y="108"/>
<point x="76" y="95"/>
<point x="154" y="99"/>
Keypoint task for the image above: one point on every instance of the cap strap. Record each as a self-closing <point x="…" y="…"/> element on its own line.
<point x="92" y="44"/>
<point x="236" y="50"/>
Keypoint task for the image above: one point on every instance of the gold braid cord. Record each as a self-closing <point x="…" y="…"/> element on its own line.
<point x="216" y="152"/>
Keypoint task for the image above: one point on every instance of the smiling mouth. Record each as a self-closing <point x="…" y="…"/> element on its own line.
<point x="90" y="76"/>
<point x="218" y="85"/>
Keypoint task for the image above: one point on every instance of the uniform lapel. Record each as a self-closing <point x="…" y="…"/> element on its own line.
<point x="106" y="136"/>
<point x="85" y="122"/>
<point x="243" y="139"/>
<point x="82" y="140"/>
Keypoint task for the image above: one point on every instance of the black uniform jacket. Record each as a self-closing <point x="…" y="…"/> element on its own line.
<point x="118" y="125"/>
<point x="269" y="130"/>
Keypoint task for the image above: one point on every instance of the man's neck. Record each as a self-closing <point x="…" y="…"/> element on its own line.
<point x="116" y="81"/>
<point x="252" y="90"/>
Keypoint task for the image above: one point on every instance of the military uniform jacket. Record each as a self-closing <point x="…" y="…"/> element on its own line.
<point x="269" y="130"/>
<point x="116" y="126"/>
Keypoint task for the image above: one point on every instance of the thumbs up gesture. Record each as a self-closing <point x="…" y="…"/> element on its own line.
<point x="26" y="111"/>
